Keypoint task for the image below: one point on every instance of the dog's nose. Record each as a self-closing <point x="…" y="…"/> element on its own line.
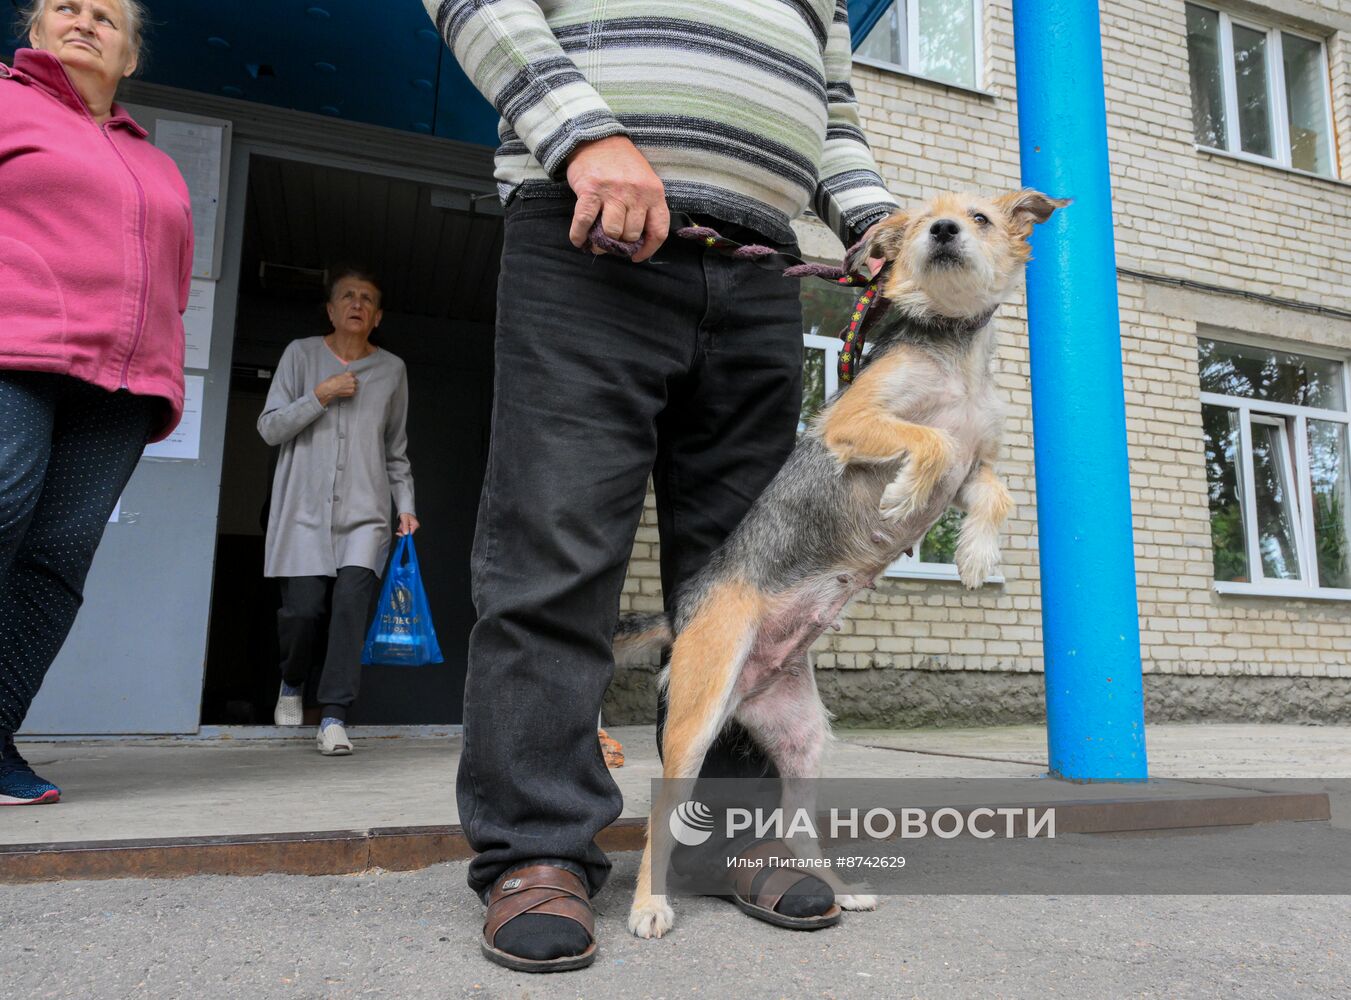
<point x="944" y="230"/>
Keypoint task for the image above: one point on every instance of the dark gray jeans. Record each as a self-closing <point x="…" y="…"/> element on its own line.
<point x="686" y="368"/>
<point x="346" y="604"/>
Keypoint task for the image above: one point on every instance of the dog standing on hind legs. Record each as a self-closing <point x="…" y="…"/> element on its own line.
<point x="917" y="431"/>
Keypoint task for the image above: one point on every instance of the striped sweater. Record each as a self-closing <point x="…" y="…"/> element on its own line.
<point x="743" y="107"/>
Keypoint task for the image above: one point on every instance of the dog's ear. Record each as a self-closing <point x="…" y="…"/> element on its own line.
<point x="1026" y="207"/>
<point x="883" y="241"/>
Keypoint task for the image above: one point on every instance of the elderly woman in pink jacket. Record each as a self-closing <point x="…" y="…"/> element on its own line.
<point x="95" y="264"/>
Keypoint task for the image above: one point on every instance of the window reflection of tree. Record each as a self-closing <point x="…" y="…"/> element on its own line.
<point x="1226" y="508"/>
<point x="947" y="40"/>
<point x="825" y="311"/>
<point x="1330" y="484"/>
<point x="1271" y="496"/>
<point x="1259" y="374"/>
<point x="813" y="385"/>
<point x="1207" y="81"/>
<point x="826" y="307"/>
<point x="1262" y="374"/>
<point x="1250" y="69"/>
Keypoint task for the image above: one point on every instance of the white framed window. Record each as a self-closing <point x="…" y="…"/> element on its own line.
<point x="1278" y="471"/>
<point x="825" y="310"/>
<point x="1260" y="92"/>
<point x="938" y="39"/>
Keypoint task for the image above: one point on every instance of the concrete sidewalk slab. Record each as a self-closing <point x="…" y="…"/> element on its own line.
<point x="1176" y="750"/>
<point x="191" y="788"/>
<point x="1247" y="756"/>
<point x="276" y="805"/>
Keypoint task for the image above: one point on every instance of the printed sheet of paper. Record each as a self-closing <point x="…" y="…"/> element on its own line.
<point x="196" y="148"/>
<point x="184" y="444"/>
<point x="197" y="323"/>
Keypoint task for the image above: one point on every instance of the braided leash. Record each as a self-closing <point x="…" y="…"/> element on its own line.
<point x="854" y="333"/>
<point x="598" y="240"/>
<point x="851" y="356"/>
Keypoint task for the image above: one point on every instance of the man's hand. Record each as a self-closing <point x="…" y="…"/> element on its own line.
<point x="341" y="385"/>
<point x="615" y="183"/>
<point x="875" y="264"/>
<point x="408" y="524"/>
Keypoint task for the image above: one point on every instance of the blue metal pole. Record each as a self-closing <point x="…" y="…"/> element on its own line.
<point x="1090" y="618"/>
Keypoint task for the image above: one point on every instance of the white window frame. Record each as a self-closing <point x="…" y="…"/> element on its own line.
<point x="1276" y="98"/>
<point x="912" y="46"/>
<point x="905" y="567"/>
<point x="1285" y="414"/>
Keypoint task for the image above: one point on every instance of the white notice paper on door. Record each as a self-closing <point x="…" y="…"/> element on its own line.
<point x="196" y="148"/>
<point x="197" y="324"/>
<point x="184" y="444"/>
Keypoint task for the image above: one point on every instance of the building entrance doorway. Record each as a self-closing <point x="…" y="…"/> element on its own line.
<point x="436" y="250"/>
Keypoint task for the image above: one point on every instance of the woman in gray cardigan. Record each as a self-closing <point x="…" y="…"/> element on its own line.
<point x="338" y="408"/>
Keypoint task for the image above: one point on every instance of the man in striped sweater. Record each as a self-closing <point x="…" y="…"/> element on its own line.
<point x="678" y="364"/>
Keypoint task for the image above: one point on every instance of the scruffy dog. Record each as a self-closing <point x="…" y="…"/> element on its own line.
<point x="918" y="430"/>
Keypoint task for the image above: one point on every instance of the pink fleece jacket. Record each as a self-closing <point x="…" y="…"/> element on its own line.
<point x="95" y="241"/>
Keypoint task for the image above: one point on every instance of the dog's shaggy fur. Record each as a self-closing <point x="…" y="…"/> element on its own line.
<point x="917" y="431"/>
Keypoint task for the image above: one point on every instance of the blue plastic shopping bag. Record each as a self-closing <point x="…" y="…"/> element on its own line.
<point x="402" y="633"/>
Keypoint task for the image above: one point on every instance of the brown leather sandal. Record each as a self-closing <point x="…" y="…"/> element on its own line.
<point x="538" y="889"/>
<point x="760" y="903"/>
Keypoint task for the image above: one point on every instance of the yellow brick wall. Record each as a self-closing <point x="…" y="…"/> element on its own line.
<point x="1180" y="213"/>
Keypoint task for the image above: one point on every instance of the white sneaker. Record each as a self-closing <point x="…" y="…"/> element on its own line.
<point x="290" y="709"/>
<point x="332" y="740"/>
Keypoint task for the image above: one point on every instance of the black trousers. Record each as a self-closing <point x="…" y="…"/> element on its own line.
<point x="686" y="368"/>
<point x="67" y="449"/>
<point x="346" y="605"/>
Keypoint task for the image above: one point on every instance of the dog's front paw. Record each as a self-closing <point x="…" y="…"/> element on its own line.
<point x="904" y="495"/>
<point x="856" y="901"/>
<point x="651" y="919"/>
<point x="926" y="461"/>
<point x="976" y="558"/>
<point x="899" y="500"/>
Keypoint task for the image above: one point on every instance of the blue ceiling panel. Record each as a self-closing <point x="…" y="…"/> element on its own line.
<point x="379" y="63"/>
<point x="9" y="31"/>
<point x="461" y="111"/>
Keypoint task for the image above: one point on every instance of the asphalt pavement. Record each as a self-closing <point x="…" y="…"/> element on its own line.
<point x="414" y="935"/>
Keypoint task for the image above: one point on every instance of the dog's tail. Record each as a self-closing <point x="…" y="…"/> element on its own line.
<point x="637" y="635"/>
